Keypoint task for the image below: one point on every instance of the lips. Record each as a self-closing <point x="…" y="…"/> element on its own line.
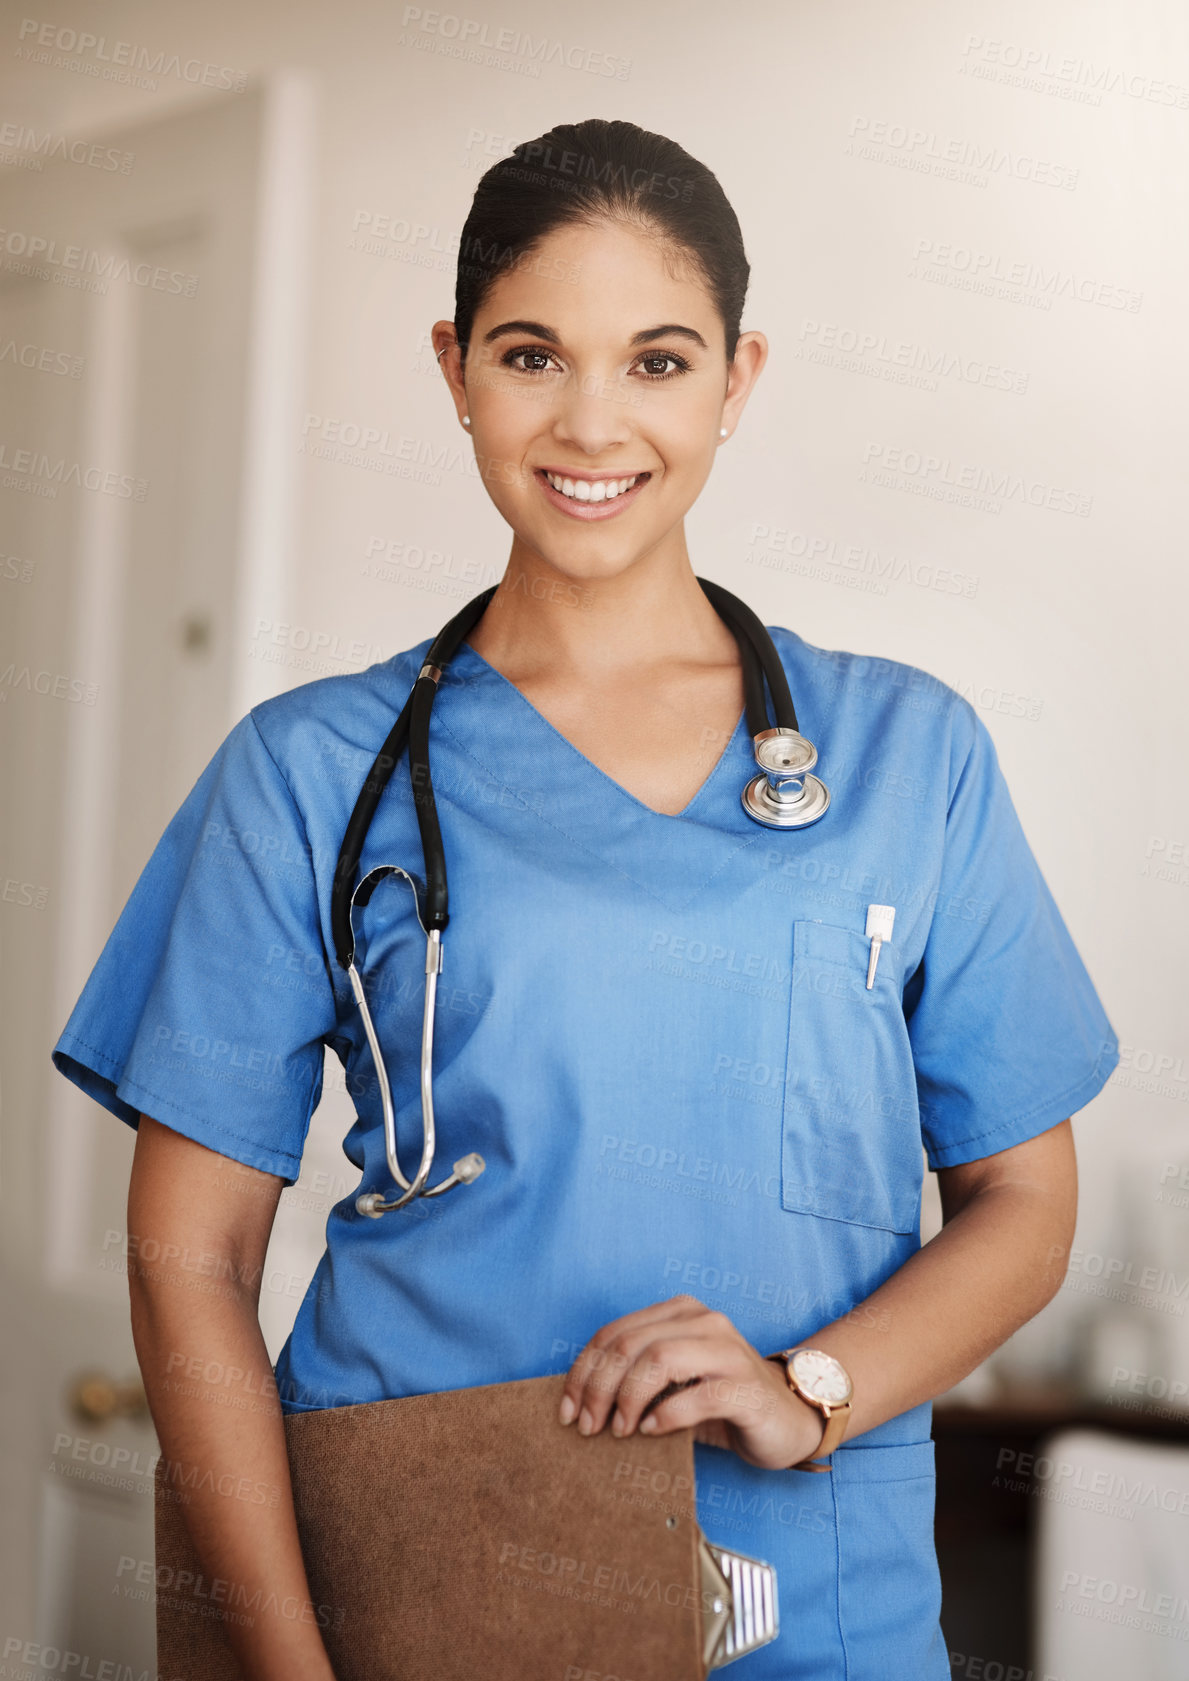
<point x="600" y="505"/>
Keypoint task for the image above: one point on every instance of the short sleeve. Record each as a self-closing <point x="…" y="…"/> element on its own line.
<point x="210" y="1003"/>
<point x="1008" y="1034"/>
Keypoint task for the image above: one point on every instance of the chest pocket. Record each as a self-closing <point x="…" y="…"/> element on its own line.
<point x="851" y="1144"/>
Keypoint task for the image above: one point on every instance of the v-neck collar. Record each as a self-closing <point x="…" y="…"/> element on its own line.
<point x="467" y="653"/>
<point x="671" y="856"/>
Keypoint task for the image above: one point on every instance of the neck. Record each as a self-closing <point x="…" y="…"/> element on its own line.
<point x="598" y="630"/>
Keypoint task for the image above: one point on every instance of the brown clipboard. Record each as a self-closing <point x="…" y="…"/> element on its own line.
<point x="468" y="1533"/>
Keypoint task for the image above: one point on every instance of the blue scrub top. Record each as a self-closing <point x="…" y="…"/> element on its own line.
<point x="656" y="1031"/>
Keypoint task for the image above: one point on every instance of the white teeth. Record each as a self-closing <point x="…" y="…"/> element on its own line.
<point x="588" y="490"/>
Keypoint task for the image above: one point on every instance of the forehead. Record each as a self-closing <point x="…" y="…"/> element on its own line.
<point x="605" y="279"/>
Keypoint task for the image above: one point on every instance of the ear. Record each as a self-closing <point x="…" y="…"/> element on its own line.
<point x="751" y="352"/>
<point x="449" y="355"/>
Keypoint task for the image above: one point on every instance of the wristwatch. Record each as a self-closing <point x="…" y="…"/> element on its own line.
<point x="824" y="1382"/>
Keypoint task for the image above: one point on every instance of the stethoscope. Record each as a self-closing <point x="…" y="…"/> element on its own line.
<point x="783" y="796"/>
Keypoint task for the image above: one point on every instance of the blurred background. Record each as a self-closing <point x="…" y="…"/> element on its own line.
<point x="228" y="465"/>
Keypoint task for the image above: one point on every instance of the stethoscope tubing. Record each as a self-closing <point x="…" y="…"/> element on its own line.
<point x="439" y="654"/>
<point x="760" y="663"/>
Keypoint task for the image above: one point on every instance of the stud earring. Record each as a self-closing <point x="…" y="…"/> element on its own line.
<point x="466" y="420"/>
<point x="722" y="431"/>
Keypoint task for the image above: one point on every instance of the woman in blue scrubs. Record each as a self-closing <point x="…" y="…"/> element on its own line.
<point x="703" y="1130"/>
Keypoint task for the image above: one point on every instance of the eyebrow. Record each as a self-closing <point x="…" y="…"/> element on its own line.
<point x="537" y="329"/>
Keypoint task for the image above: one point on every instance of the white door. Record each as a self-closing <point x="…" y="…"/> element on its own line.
<point x="149" y="339"/>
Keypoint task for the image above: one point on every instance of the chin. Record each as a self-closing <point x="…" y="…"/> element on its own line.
<point x="600" y="569"/>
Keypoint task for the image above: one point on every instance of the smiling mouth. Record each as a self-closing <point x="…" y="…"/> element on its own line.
<point x="592" y="490"/>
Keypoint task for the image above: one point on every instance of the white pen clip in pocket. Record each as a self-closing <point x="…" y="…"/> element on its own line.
<point x="879" y="928"/>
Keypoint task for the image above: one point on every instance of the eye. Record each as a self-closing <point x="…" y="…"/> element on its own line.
<point x="535" y="359"/>
<point x="537" y="355"/>
<point x="680" y="365"/>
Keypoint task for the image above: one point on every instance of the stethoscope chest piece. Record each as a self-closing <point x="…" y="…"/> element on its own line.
<point x="785" y="795"/>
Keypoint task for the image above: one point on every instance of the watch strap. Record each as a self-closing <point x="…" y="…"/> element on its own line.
<point x="836" y="1424"/>
<point x="836" y="1418"/>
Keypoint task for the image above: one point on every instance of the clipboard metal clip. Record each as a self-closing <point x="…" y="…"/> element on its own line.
<point x="740" y="1611"/>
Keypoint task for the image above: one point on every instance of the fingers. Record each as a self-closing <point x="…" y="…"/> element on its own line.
<point x="726" y="1392"/>
<point x="611" y="1350"/>
<point x="646" y="1362"/>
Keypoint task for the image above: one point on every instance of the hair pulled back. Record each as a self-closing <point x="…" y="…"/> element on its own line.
<point x="600" y="171"/>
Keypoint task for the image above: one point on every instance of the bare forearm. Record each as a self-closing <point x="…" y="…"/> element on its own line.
<point x="991" y="1268"/>
<point x="213" y="1399"/>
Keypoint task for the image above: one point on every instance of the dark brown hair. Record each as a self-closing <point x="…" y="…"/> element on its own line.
<point x="595" y="171"/>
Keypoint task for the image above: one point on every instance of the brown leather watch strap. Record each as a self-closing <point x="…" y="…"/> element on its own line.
<point x="831" y="1436"/>
<point x="836" y="1420"/>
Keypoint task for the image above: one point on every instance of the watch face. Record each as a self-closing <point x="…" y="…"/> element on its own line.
<point x="821" y="1375"/>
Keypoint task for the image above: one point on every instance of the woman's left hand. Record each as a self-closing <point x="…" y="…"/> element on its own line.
<point x="713" y="1379"/>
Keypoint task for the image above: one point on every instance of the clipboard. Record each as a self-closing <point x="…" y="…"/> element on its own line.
<point x="466" y="1532"/>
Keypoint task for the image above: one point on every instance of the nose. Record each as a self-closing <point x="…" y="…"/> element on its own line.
<point x="591" y="413"/>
